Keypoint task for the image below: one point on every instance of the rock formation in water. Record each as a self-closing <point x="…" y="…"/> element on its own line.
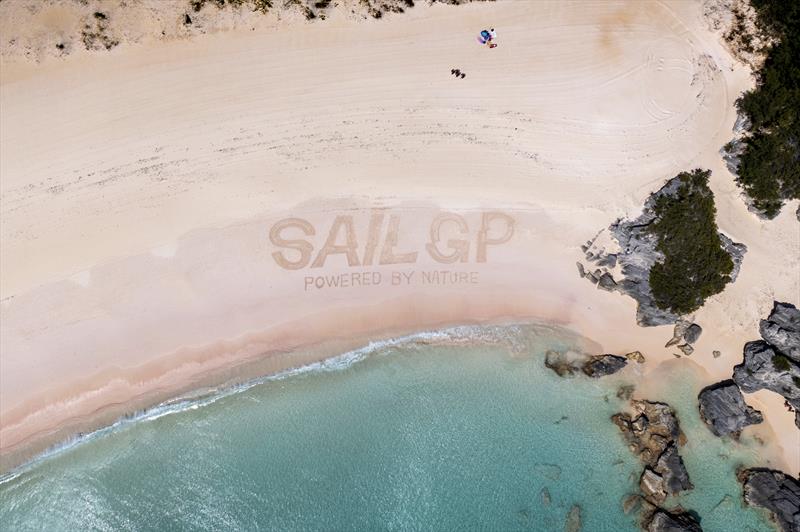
<point x="776" y="492"/>
<point x="723" y="409"/>
<point x="672" y="521"/>
<point x="773" y="363"/>
<point x="569" y="363"/>
<point x="602" y="365"/>
<point x="654" y="435"/>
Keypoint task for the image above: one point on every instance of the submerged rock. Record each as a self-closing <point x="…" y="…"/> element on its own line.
<point x="631" y="502"/>
<point x="625" y="391"/>
<point x="676" y="521"/>
<point x="776" y="492"/>
<point x="601" y="365"/>
<point x="573" y="522"/>
<point x="723" y="409"/>
<point x="561" y="363"/>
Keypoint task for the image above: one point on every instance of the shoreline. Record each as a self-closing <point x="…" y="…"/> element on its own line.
<point x="319" y="357"/>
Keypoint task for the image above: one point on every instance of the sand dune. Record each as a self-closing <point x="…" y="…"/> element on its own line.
<point x="139" y="187"/>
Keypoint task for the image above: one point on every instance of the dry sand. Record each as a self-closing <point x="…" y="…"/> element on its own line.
<point x="139" y="187"/>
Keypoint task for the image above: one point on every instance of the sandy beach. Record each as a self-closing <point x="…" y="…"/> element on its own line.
<point x="184" y="212"/>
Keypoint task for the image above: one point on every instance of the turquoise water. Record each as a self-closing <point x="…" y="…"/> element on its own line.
<point x="404" y="436"/>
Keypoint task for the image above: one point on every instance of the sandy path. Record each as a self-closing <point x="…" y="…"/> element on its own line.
<point x="139" y="187"/>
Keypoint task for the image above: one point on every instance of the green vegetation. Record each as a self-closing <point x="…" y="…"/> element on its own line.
<point x="256" y="5"/>
<point x="695" y="265"/>
<point x="770" y="162"/>
<point x="781" y="362"/>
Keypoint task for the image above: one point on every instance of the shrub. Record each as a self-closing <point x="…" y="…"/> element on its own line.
<point x="769" y="170"/>
<point x="781" y="362"/>
<point x="695" y="264"/>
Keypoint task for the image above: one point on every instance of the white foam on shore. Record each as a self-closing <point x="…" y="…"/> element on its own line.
<point x="512" y="336"/>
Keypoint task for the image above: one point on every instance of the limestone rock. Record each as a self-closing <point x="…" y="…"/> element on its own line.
<point x="782" y="329"/>
<point x="601" y="365"/>
<point x="775" y="491"/>
<point x="637" y="256"/>
<point x="676" y="521"/>
<point x="764" y="367"/>
<point x="637" y="356"/>
<point x="606" y="282"/>
<point x="723" y="409"/>
<point x="692" y="333"/>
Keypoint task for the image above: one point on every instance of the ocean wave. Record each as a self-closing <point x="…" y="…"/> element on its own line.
<point x="513" y="337"/>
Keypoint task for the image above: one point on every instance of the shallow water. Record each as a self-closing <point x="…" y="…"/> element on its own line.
<point x="403" y="436"/>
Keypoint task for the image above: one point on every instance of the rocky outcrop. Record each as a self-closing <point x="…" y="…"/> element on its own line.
<point x="667" y="477"/>
<point x="675" y="521"/>
<point x="602" y="365"/>
<point x="723" y="409"/>
<point x="776" y="492"/>
<point x="654" y="435"/>
<point x="782" y="329"/>
<point x="636" y="257"/>
<point x="650" y="429"/>
<point x="774" y="362"/>
<point x="568" y="364"/>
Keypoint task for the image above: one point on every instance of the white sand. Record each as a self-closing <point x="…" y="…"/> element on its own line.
<point x="139" y="187"/>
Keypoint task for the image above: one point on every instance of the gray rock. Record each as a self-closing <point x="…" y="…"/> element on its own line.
<point x="759" y="371"/>
<point x="723" y="409"/>
<point x="692" y="333"/>
<point x="676" y="521"/>
<point x="776" y="492"/>
<point x="670" y="467"/>
<point x="608" y="261"/>
<point x="716" y="354"/>
<point x="774" y="362"/>
<point x="581" y="270"/>
<point x="653" y="486"/>
<point x="782" y="329"/>
<point x="606" y="282"/>
<point x="601" y="365"/>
